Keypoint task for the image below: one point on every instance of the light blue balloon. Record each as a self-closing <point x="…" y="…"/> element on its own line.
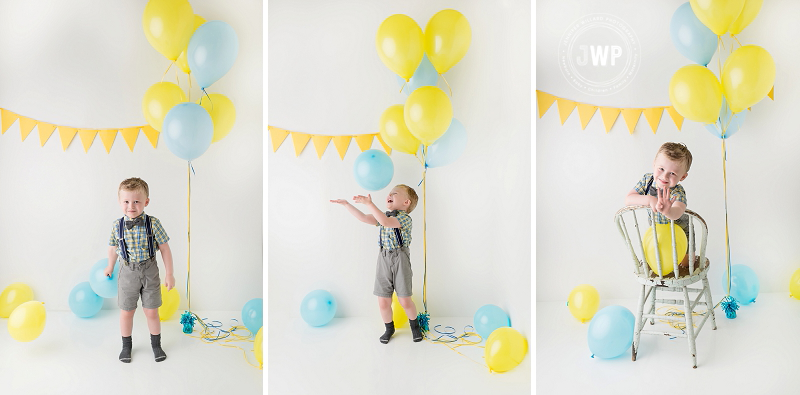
<point x="188" y="130"/>
<point x="83" y="301"/>
<point x="449" y="147"/>
<point x="252" y="315"/>
<point x="611" y="332"/>
<point x="488" y="318"/>
<point x="373" y="170"/>
<point x="425" y="75"/>
<point x="727" y="122"/>
<point x="104" y="286"/>
<point x="318" y="307"/>
<point x="691" y="37"/>
<point x="744" y="284"/>
<point x="211" y="52"/>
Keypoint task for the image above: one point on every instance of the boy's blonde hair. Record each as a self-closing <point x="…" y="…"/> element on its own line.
<point x="412" y="195"/>
<point x="677" y="152"/>
<point x="134" y="184"/>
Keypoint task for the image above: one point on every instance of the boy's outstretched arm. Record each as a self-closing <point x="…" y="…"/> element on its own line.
<point x="365" y="218"/>
<point x="389" y="222"/>
<point x="166" y="255"/>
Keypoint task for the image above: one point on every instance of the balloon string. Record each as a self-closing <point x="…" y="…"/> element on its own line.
<point x="448" y="85"/>
<point x="737" y="40"/>
<point x="424" y="231"/>
<point x="727" y="240"/>
<point x="189" y="77"/>
<point x="209" y="98"/>
<point x="165" y="71"/>
<point x="404" y="85"/>
<point x="189" y="235"/>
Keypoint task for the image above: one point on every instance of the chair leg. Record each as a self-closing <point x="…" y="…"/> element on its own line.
<point x="689" y="326"/>
<point x="638" y="326"/>
<point x="653" y="304"/>
<point x="709" y="303"/>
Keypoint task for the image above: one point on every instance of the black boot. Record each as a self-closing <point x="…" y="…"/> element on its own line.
<point x="416" y="333"/>
<point x="127" y="344"/>
<point x="389" y="332"/>
<point x="155" y="341"/>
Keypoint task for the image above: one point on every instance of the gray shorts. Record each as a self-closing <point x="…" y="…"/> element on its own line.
<point x="393" y="273"/>
<point x="136" y="279"/>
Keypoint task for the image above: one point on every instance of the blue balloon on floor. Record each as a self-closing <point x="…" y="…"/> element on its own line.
<point x="253" y="315"/>
<point x="318" y="307"/>
<point x="83" y="301"/>
<point x="373" y="170"/>
<point x="744" y="284"/>
<point x="488" y="318"/>
<point x="104" y="286"/>
<point x="611" y="332"/>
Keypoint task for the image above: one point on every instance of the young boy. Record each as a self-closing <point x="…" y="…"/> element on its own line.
<point x="660" y="189"/>
<point x="393" y="272"/>
<point x="135" y="238"/>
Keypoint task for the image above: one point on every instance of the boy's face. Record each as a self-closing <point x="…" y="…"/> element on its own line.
<point x="133" y="202"/>
<point x="668" y="172"/>
<point x="398" y="199"/>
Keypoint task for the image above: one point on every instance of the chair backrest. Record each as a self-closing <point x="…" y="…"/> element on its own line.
<point x="628" y="220"/>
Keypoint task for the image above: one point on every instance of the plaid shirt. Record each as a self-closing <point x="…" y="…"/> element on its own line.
<point x="136" y="238"/>
<point x="387" y="236"/>
<point x="677" y="192"/>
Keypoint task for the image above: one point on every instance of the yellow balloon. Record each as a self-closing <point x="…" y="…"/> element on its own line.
<point x="170" y="300"/>
<point x="717" y="15"/>
<point x="749" y="12"/>
<point x="168" y="26"/>
<point x="664" y="247"/>
<point x="505" y="349"/>
<point x="26" y="322"/>
<point x="747" y="76"/>
<point x="447" y="39"/>
<point x="223" y="114"/>
<point x="400" y="45"/>
<point x="182" y="62"/>
<point x="158" y="100"/>
<point x="428" y="113"/>
<point x="695" y="93"/>
<point x="13" y="296"/>
<point x="583" y="302"/>
<point x="794" y="284"/>
<point x="394" y="132"/>
<point x="258" y="347"/>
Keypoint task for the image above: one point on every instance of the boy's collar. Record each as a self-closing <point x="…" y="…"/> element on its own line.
<point x="127" y="218"/>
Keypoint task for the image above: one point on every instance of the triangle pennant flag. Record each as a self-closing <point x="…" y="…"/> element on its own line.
<point x="130" y="135"/>
<point x="151" y="134"/>
<point x="586" y="112"/>
<point x="87" y="138"/>
<point x="771" y="93"/>
<point x="26" y="126"/>
<point x="300" y="141"/>
<point x="677" y="118"/>
<point x="609" y="115"/>
<point x="544" y="100"/>
<point x="364" y="141"/>
<point x="107" y="137"/>
<point x="631" y="116"/>
<point x="386" y="147"/>
<point x="321" y="144"/>
<point x="67" y="134"/>
<point x="565" y="108"/>
<point x="653" y="117"/>
<point x="45" y="131"/>
<point x="7" y="119"/>
<point x="277" y="135"/>
<point x="342" y="143"/>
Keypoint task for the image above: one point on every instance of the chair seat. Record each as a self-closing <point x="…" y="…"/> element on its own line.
<point x="683" y="276"/>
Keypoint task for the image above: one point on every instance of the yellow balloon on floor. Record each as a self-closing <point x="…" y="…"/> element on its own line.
<point x="505" y="349"/>
<point x="394" y="132"/>
<point x="747" y="76"/>
<point x="182" y="62"/>
<point x="170" y="300"/>
<point x="664" y="247"/>
<point x="447" y="39"/>
<point x="258" y="347"/>
<point x="794" y="284"/>
<point x="26" y="322"/>
<point x="749" y="12"/>
<point x="717" y="15"/>
<point x="223" y="114"/>
<point x="158" y="100"/>
<point x="400" y="45"/>
<point x="398" y="314"/>
<point x="428" y="113"/>
<point x="583" y="302"/>
<point x="13" y="296"/>
<point x="168" y="26"/>
<point x="695" y="93"/>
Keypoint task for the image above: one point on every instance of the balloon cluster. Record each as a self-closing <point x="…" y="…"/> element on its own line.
<point x="505" y="347"/>
<point x="205" y="50"/>
<point x="747" y="75"/>
<point x="26" y="317"/>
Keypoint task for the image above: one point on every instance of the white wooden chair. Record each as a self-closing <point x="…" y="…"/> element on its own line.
<point x="628" y="220"/>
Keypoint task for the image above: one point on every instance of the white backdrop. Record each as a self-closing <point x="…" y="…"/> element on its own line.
<point x="325" y="77"/>
<point x="87" y="63"/>
<point x="583" y="175"/>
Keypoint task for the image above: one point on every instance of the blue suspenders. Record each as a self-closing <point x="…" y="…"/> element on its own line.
<point x="396" y="233"/>
<point x="123" y="248"/>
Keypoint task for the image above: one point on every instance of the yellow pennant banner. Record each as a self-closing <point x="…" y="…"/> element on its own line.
<point x="66" y="134"/>
<point x="321" y="142"/>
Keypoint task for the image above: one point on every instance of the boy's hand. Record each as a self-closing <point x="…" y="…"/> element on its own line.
<point x="664" y="201"/>
<point x="363" y="199"/>
<point x="169" y="282"/>
<point x="343" y="202"/>
<point x="109" y="271"/>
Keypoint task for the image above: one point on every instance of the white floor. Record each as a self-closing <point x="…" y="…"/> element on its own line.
<point x="80" y="356"/>
<point x="345" y="357"/>
<point x="755" y="353"/>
